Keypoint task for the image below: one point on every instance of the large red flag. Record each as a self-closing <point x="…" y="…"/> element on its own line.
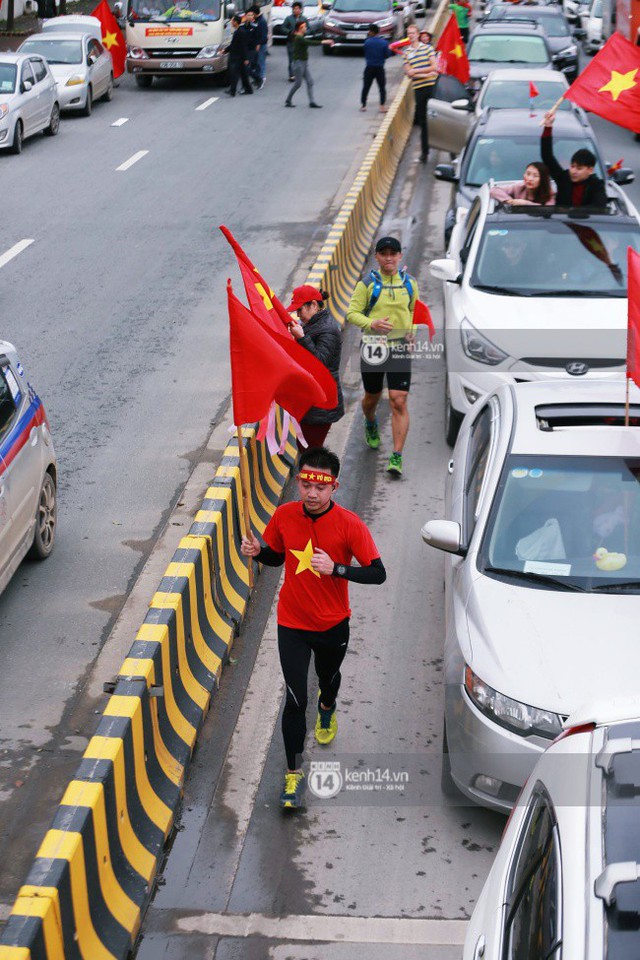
<point x="262" y="372"/>
<point x="452" y="56"/>
<point x="112" y="37"/>
<point x="633" y="328"/>
<point x="610" y="84"/>
<point x="267" y="308"/>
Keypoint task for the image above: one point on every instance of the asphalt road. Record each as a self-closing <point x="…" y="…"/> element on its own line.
<point x="118" y="311"/>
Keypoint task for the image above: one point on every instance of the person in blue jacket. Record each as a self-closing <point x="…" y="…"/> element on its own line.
<point x="261" y="36"/>
<point x="376" y="51"/>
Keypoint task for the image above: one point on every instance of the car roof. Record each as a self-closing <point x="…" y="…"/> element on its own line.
<point x="509" y="8"/>
<point x="51" y="35"/>
<point x="16" y="58"/>
<point x="535" y="403"/>
<point x="512" y="120"/>
<point x="511" y="26"/>
<point x="541" y="75"/>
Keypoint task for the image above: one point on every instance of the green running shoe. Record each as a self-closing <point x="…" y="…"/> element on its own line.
<point x="395" y="465"/>
<point x="372" y="434"/>
<point x="292" y="794"/>
<point x="326" y="725"/>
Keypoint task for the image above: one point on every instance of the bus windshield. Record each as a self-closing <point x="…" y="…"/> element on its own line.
<point x="174" y="11"/>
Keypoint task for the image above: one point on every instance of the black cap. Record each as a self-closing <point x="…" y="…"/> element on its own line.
<point x="390" y="243"/>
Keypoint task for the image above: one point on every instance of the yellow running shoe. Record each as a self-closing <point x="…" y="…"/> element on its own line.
<point x="293" y="790"/>
<point x="326" y="725"/>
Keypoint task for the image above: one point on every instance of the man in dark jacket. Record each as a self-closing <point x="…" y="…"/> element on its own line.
<point x="376" y="51"/>
<point x="289" y="25"/>
<point x="261" y="37"/>
<point x="578" y="186"/>
<point x="238" y="57"/>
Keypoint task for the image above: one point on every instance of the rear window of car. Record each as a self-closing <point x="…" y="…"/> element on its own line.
<point x="552" y="24"/>
<point x="55" y="51"/>
<point x="506" y="94"/>
<point x="7" y="77"/>
<point x="505" y="48"/>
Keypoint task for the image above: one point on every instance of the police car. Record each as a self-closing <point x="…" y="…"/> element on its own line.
<point x="28" y="470"/>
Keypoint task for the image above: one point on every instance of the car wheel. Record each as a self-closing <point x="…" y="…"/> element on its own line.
<point x="452" y="419"/>
<point x="144" y="81"/>
<point x="54" y="122"/>
<point x="16" y="146"/>
<point x="88" y="107"/>
<point x="107" y="96"/>
<point x="326" y="49"/>
<point x="447" y="783"/>
<point x="46" y="514"/>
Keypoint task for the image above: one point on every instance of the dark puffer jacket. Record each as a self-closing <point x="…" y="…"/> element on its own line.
<point x="323" y="338"/>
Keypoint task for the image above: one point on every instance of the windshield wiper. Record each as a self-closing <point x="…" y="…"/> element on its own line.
<point x="542" y="578"/>
<point x="622" y="585"/>
<point x="491" y="288"/>
<point x="594" y="294"/>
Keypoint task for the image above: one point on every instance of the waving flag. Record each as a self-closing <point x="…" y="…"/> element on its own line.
<point x="422" y="314"/>
<point x="452" y="56"/>
<point x="633" y="326"/>
<point x="592" y="241"/>
<point x="533" y="90"/>
<point x="610" y="84"/>
<point x="112" y="37"/>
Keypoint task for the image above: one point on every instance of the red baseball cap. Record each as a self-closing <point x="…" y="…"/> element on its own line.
<point x="304" y="294"/>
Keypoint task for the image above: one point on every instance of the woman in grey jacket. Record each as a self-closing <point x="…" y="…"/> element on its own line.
<point x="320" y="334"/>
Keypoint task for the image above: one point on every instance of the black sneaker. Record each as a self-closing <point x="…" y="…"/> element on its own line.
<point x="316" y="106"/>
<point x="287" y="104"/>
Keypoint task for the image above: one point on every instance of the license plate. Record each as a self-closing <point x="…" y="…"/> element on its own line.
<point x="171" y="64"/>
<point x="355" y="36"/>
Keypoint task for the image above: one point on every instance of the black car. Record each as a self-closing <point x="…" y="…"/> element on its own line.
<point x="554" y="24"/>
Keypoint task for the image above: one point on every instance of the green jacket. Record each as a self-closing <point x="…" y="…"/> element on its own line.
<point x="461" y="13"/>
<point x="394" y="303"/>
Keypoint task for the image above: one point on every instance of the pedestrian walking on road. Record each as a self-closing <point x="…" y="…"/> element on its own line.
<point x="289" y="25"/>
<point x="238" y="57"/>
<point x="316" y="539"/>
<point x="318" y="332"/>
<point x="376" y="51"/>
<point x="383" y="305"/>
<point x="261" y="37"/>
<point x="420" y="67"/>
<point x="301" y="65"/>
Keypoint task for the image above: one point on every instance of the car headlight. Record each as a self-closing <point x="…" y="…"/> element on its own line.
<point x="4" y="110"/>
<point x="386" y="23"/>
<point x="571" y="51"/>
<point x="511" y="714"/>
<point x="137" y="53"/>
<point x="75" y="80"/>
<point x="207" y="52"/>
<point x="330" y="23"/>
<point x="478" y="347"/>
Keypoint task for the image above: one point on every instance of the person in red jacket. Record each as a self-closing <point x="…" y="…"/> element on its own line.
<point x="316" y="539"/>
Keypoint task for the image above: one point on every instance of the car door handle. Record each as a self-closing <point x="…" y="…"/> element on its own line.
<point x="450" y="466"/>
<point x="478" y="953"/>
<point x="33" y="436"/>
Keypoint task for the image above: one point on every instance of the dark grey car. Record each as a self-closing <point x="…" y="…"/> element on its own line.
<point x="554" y="24"/>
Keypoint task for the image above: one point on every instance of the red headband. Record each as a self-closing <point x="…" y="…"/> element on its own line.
<point x="316" y="476"/>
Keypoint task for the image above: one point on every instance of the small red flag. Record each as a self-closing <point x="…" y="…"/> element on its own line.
<point x="592" y="241"/>
<point x="452" y="56"/>
<point x="112" y="37"/>
<point x="615" y="166"/>
<point x="533" y="90"/>
<point x="610" y="84"/>
<point x="262" y="371"/>
<point x="633" y="327"/>
<point x="422" y="314"/>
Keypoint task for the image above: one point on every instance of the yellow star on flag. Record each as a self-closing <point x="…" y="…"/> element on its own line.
<point x="304" y="559"/>
<point x="596" y="246"/>
<point x="619" y="82"/>
<point x="110" y="40"/>
<point x="456" y="51"/>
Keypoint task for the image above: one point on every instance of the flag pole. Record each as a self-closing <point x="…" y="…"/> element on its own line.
<point x="626" y="406"/>
<point x="244" y="483"/>
<point x="552" y="111"/>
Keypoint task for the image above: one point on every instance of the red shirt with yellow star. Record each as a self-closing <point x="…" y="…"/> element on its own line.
<point x="309" y="600"/>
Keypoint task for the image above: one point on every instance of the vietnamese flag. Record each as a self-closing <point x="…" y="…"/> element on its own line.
<point x="112" y="37"/>
<point x="633" y="327"/>
<point x="592" y="241"/>
<point x="262" y="372"/>
<point x="610" y="84"/>
<point x="533" y="90"/>
<point x="268" y="310"/>
<point x="422" y="314"/>
<point x="452" y="56"/>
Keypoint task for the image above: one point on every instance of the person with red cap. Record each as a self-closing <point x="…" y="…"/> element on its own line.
<point x="318" y="332"/>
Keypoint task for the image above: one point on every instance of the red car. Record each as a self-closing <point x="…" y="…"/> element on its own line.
<point x="348" y="21"/>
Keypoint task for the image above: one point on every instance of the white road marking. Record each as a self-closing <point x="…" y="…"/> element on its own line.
<point x="320" y="927"/>
<point x="14" y="251"/>
<point x="120" y="122"/>
<point x="134" y="159"/>
<point x="207" y="103"/>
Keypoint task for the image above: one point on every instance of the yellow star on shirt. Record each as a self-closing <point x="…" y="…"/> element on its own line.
<point x="304" y="559"/>
<point x="456" y="51"/>
<point x="619" y="82"/>
<point x="110" y="40"/>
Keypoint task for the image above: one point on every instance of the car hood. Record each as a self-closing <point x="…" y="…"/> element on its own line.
<point x="362" y="16"/>
<point x="552" y="649"/>
<point x="479" y="70"/>
<point x="8" y="98"/>
<point x="62" y="71"/>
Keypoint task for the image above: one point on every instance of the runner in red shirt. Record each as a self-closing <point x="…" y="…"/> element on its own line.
<point x="316" y="539"/>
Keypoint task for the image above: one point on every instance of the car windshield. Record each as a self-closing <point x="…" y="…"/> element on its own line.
<point x="55" y="51"/>
<point x="536" y="257"/>
<point x="164" y="11"/>
<point x="504" y="94"/>
<point x="553" y="26"/>
<point x="574" y="519"/>
<point x="505" y="158"/>
<point x="361" y="6"/>
<point x="502" y="48"/>
<point x="7" y="78"/>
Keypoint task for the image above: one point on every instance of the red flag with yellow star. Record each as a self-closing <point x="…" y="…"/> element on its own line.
<point x="112" y="38"/>
<point x="592" y="240"/>
<point x="452" y="56"/>
<point x="610" y="84"/>
<point x="633" y="328"/>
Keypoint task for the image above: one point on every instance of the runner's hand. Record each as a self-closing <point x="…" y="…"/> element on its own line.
<point x="250" y="546"/>
<point x="383" y="325"/>
<point x="322" y="562"/>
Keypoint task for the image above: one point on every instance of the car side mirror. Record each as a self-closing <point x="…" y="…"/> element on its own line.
<point x="117" y="9"/>
<point x="446" y="270"/>
<point x="327" y="6"/>
<point x="447" y="172"/>
<point x="622" y="176"/>
<point x="444" y="535"/>
<point x="229" y="10"/>
<point x="461" y="105"/>
<point x="27" y="85"/>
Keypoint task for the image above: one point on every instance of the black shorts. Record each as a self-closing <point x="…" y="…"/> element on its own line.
<point x="396" y="367"/>
<point x="373" y="382"/>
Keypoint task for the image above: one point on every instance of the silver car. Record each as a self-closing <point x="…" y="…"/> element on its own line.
<point x="82" y="68"/>
<point x="542" y="579"/>
<point x="28" y="471"/>
<point x="28" y="100"/>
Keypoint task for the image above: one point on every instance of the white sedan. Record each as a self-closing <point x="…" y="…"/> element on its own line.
<point x="82" y="68"/>
<point x="28" y="100"/>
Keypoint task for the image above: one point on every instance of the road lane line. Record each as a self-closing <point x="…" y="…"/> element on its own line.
<point x="207" y="103"/>
<point x="14" y="251"/>
<point x="120" y="122"/>
<point x="134" y="159"/>
<point x="325" y="928"/>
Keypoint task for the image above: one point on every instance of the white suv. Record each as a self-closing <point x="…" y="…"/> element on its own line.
<point x="533" y="293"/>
